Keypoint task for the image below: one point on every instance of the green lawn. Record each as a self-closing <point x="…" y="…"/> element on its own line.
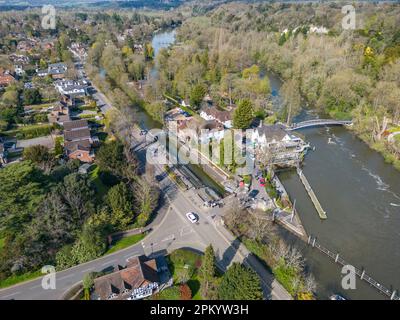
<point x="125" y="242"/>
<point x="19" y="278"/>
<point x="182" y="259"/>
<point x="171" y="293"/>
<point x="101" y="188"/>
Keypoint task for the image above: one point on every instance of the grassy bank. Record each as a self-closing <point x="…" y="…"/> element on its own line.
<point x="381" y="147"/>
<point x="125" y="243"/>
<point x="10" y="281"/>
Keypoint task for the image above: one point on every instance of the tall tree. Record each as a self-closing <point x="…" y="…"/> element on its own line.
<point x="243" y="114"/>
<point x="40" y="156"/>
<point x="240" y="283"/>
<point x="120" y="201"/>
<point x="207" y="272"/>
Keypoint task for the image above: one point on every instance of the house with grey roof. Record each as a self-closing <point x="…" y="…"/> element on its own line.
<point x="139" y="279"/>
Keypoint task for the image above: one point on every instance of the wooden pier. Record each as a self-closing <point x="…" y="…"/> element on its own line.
<point x="314" y="199"/>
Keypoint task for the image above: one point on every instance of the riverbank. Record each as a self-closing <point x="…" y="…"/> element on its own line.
<point x="380" y="147"/>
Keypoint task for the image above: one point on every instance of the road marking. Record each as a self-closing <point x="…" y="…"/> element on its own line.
<point x="171" y="237"/>
<point x="86" y="270"/>
<point x="65" y="277"/>
<point x="132" y="254"/>
<point x="109" y="262"/>
<point x="183" y="233"/>
<point x="12" y="294"/>
<point x="34" y="287"/>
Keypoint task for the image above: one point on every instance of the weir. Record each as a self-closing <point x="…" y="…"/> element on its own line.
<point x="390" y="293"/>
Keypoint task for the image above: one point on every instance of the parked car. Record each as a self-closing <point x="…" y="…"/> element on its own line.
<point x="253" y="194"/>
<point x="192" y="217"/>
<point x="262" y="182"/>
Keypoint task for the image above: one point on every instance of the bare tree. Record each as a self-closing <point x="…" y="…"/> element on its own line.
<point x="280" y="250"/>
<point x="294" y="259"/>
<point x="310" y="285"/>
<point x="261" y="227"/>
<point x="233" y="216"/>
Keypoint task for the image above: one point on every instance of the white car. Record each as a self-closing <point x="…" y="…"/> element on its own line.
<point x="192" y="217"/>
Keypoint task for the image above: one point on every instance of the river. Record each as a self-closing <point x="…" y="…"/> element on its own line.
<point x="361" y="195"/>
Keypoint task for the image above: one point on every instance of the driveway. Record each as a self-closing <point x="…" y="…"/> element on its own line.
<point x="47" y="141"/>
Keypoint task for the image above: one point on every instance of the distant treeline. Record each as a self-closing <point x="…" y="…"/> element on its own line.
<point x="152" y="4"/>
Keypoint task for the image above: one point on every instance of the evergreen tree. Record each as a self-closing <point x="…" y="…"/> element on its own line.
<point x="240" y="283"/>
<point x="196" y="95"/>
<point x="120" y="200"/>
<point x="243" y="115"/>
<point x="207" y="272"/>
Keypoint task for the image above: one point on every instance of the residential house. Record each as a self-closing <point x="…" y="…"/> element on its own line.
<point x="57" y="70"/>
<point x="19" y="70"/>
<point x="26" y="45"/>
<point x="78" y="141"/>
<point x="318" y="29"/>
<point x="79" y="149"/>
<point x="139" y="279"/>
<point x="68" y="100"/>
<point x="277" y="144"/>
<point x="179" y="116"/>
<point x="6" y="78"/>
<point x="60" y="113"/>
<point x="42" y="73"/>
<point x="211" y="130"/>
<point x="78" y="50"/>
<point x="210" y="112"/>
<point x="71" y="87"/>
<point x="19" y="59"/>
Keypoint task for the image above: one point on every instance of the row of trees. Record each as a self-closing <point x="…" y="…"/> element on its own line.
<point x="237" y="283"/>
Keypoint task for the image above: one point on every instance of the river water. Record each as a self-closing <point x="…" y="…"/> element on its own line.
<point x="359" y="192"/>
<point x="361" y="195"/>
